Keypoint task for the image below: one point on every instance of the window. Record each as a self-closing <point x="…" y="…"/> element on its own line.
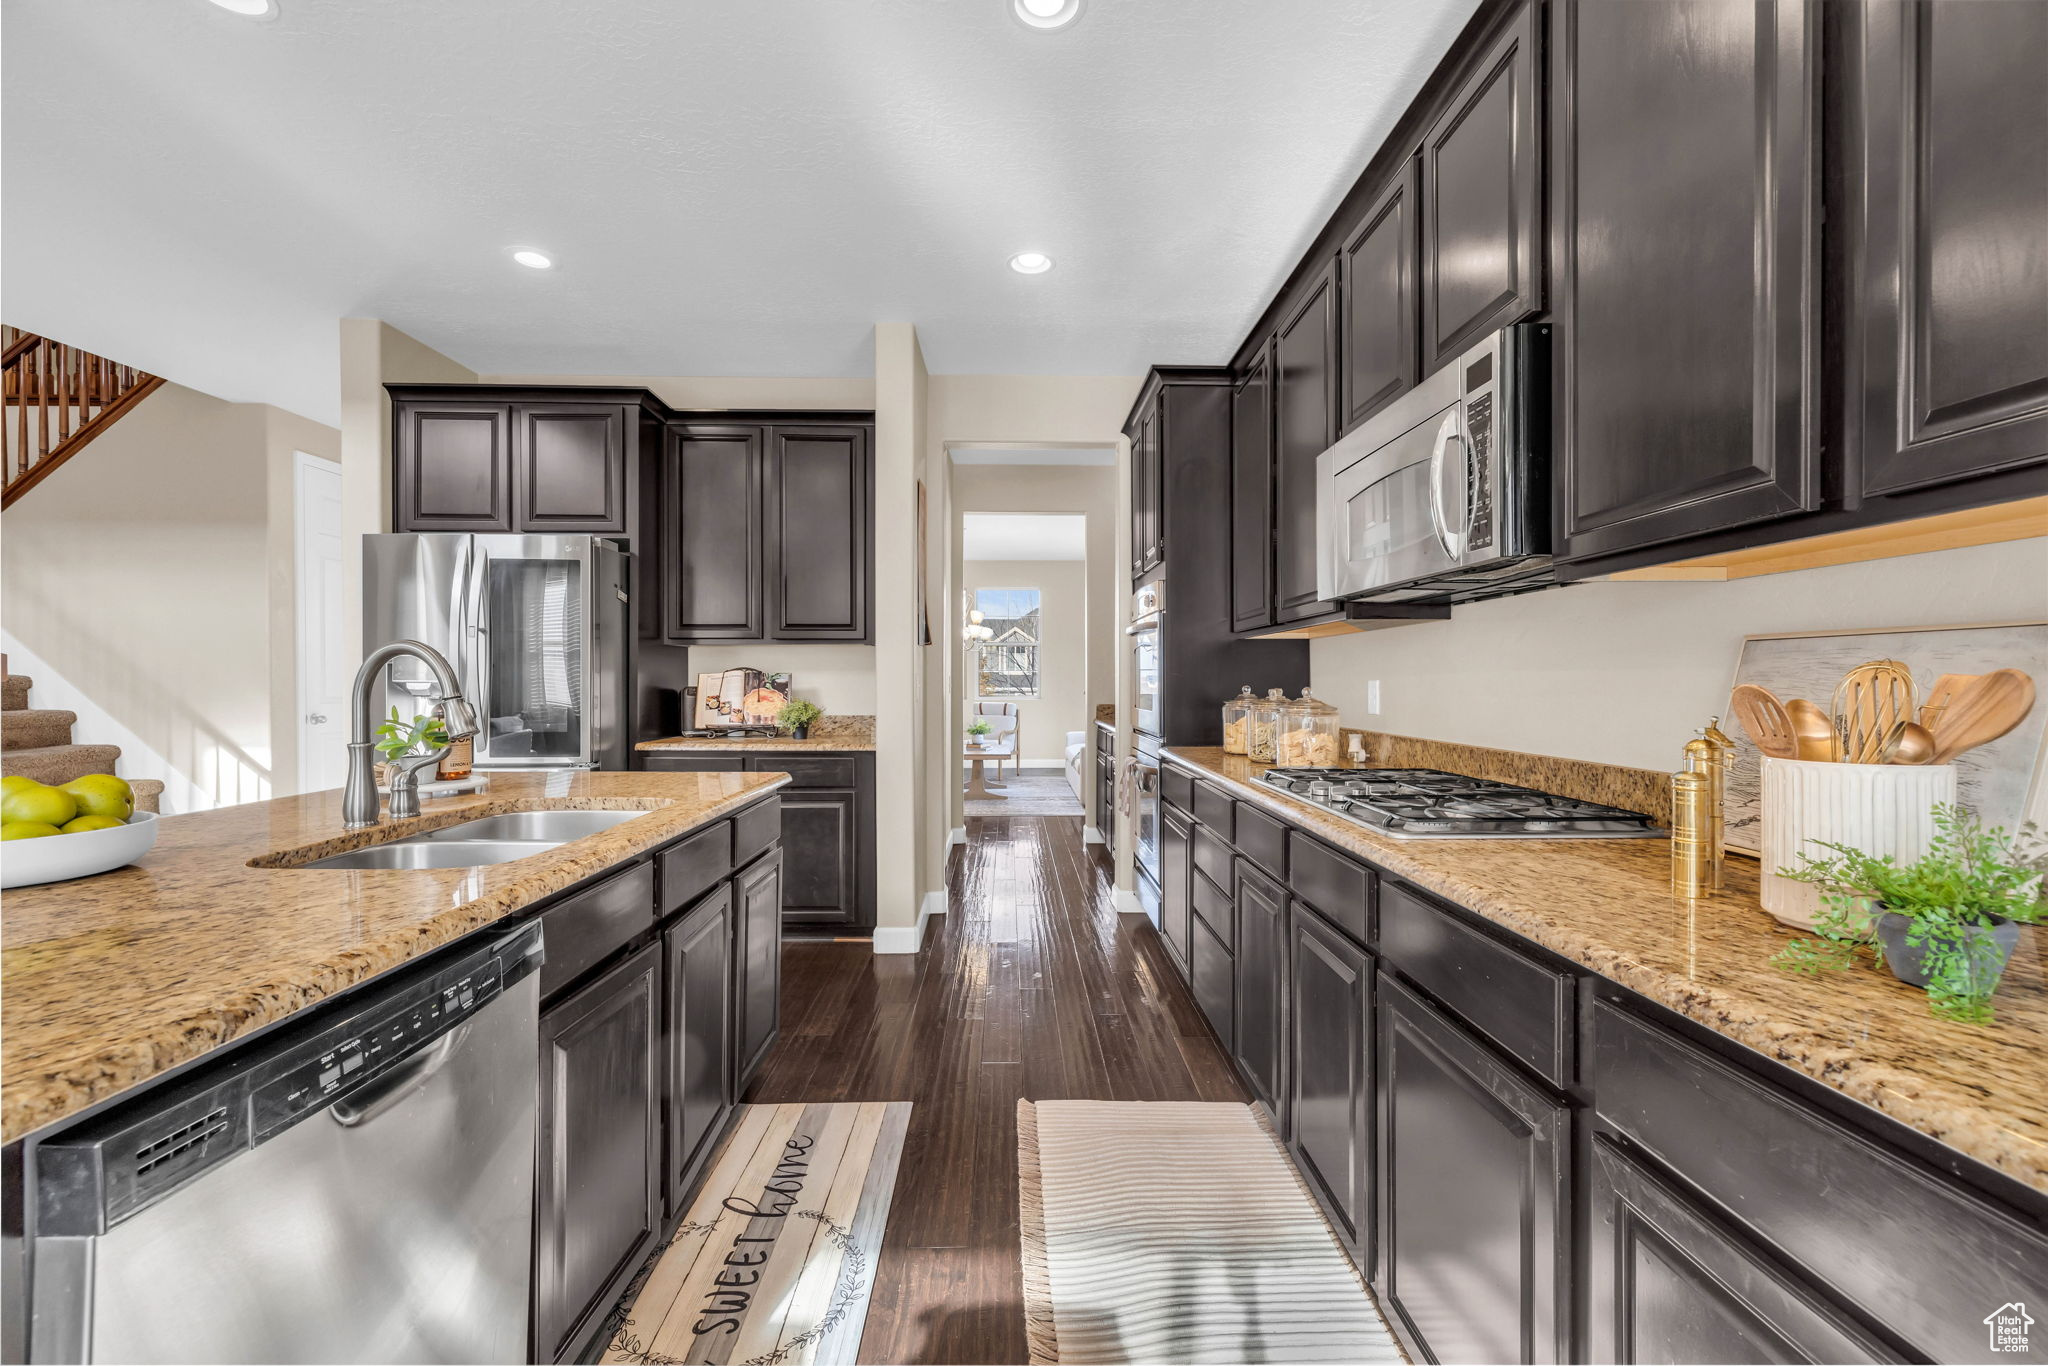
<point x="1008" y="655"/>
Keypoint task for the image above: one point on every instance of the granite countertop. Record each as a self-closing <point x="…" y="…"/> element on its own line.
<point x="829" y="735"/>
<point x="109" y="981"/>
<point x="1607" y="904"/>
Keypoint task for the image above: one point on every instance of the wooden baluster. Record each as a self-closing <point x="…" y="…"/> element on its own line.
<point x="65" y="392"/>
<point x="21" y="421"/>
<point x="43" y="399"/>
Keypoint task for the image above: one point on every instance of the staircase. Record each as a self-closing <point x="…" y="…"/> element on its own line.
<point x="57" y="398"/>
<point x="37" y="744"/>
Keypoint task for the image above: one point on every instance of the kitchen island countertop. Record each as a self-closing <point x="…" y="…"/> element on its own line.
<point x="1607" y="904"/>
<point x="110" y="981"/>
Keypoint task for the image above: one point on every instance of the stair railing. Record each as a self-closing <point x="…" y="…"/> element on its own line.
<point x="57" y="398"/>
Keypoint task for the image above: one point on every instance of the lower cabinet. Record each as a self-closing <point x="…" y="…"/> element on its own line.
<point x="822" y="887"/>
<point x="1668" y="1283"/>
<point x="1261" y="1046"/>
<point x="1211" y="972"/>
<point x="1330" y="1045"/>
<point x="757" y="947"/>
<point x="1176" y="885"/>
<point x="598" y="1199"/>
<point x="1475" y="1231"/>
<point x="697" y="955"/>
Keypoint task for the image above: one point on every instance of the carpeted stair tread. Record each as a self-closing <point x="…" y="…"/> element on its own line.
<point x="148" y="793"/>
<point x="55" y="764"/>
<point x="14" y="691"/>
<point x="30" y="728"/>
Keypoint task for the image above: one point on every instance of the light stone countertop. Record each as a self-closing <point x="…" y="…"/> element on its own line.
<point x="1607" y="904"/>
<point x="110" y="981"/>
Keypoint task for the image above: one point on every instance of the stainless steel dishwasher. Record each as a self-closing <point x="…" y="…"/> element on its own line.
<point x="356" y="1187"/>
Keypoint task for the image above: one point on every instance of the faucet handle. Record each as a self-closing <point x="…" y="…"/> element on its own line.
<point x="405" y="782"/>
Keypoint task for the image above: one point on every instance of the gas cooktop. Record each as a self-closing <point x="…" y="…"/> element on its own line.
<point x="1422" y="803"/>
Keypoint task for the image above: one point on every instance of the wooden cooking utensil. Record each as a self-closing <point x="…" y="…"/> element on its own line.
<point x="1871" y="702"/>
<point x="1911" y="743"/>
<point x="1982" y="711"/>
<point x="1762" y="715"/>
<point x="1940" y="695"/>
<point x="1812" y="732"/>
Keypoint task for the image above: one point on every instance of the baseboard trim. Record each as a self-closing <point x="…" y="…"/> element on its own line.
<point x="959" y="836"/>
<point x="1127" y="903"/>
<point x="910" y="938"/>
<point x="1090" y="835"/>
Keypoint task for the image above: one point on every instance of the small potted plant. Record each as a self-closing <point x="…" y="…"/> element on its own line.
<point x="795" y="718"/>
<point x="1946" y="922"/>
<point x="397" y="739"/>
<point x="977" y="732"/>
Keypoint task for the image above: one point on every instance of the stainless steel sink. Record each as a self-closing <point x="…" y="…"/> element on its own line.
<point x="552" y="827"/>
<point x="422" y="852"/>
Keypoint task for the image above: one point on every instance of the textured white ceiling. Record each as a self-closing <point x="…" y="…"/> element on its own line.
<point x="728" y="188"/>
<point x="1023" y="536"/>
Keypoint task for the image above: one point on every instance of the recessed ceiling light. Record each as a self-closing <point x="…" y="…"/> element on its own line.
<point x="1030" y="262"/>
<point x="533" y="260"/>
<point x="1045" y="15"/>
<point x="250" y="9"/>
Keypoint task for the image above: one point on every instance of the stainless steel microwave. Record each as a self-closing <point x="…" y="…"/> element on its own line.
<point x="1444" y="495"/>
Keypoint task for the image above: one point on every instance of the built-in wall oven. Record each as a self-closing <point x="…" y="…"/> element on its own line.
<point x="1444" y="495"/>
<point x="1145" y="821"/>
<point x="1148" y="614"/>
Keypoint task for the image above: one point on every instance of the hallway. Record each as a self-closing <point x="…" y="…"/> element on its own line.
<point x="1032" y="987"/>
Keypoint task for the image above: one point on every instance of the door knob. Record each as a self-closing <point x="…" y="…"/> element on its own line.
<point x="316" y="718"/>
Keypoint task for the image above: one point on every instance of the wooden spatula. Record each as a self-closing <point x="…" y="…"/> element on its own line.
<point x="1760" y="713"/>
<point x="1872" y="701"/>
<point x="1981" y="712"/>
<point x="1941" y="694"/>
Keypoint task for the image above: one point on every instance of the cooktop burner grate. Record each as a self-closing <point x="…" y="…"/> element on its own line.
<point x="1424" y="803"/>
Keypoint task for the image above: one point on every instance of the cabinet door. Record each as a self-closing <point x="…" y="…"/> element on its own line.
<point x="1475" y="1229"/>
<point x="1251" y="498"/>
<point x="1305" y="410"/>
<point x="1211" y="978"/>
<point x="1686" y="303"/>
<point x="698" y="955"/>
<point x="757" y="906"/>
<point x="1176" y="886"/>
<point x="1377" y="268"/>
<point x="1148" y="520"/>
<point x="1331" y="1055"/>
<point x="1262" y="989"/>
<point x="454" y="467"/>
<point x="569" y="464"/>
<point x="1670" y="1284"/>
<point x="1952" y="302"/>
<point x="821" y="846"/>
<point x="818" y="549"/>
<point x="712" y="547"/>
<point x="1482" y="258"/>
<point x="598" y="1189"/>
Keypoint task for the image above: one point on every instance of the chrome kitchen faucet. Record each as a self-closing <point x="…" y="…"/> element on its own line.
<point x="458" y="719"/>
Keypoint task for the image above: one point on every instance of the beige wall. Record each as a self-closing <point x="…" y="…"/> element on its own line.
<point x="722" y="391"/>
<point x="839" y="678"/>
<point x="1623" y="673"/>
<point x="154" y="572"/>
<point x="902" y="782"/>
<point x="1062" y="701"/>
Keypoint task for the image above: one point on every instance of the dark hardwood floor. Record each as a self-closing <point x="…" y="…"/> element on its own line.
<point x="1031" y="987"/>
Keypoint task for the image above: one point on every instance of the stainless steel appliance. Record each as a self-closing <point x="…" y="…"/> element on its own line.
<point x="1444" y="495"/>
<point x="535" y="626"/>
<point x="1148" y="615"/>
<point x="1145" y="822"/>
<point x="354" y="1187"/>
<point x="1423" y="803"/>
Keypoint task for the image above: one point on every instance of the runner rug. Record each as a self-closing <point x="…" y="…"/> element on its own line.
<point x="1179" y="1231"/>
<point x="774" y="1261"/>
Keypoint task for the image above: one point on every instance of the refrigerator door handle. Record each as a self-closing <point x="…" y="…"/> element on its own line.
<point x="477" y="675"/>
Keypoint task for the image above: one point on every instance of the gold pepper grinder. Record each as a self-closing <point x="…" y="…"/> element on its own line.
<point x="1692" y="858"/>
<point x="1707" y="755"/>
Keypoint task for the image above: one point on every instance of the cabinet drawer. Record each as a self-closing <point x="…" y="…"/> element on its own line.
<point x="755" y="830"/>
<point x="1214" y="905"/>
<point x="691" y="867"/>
<point x="1212" y="976"/>
<point x="1332" y="883"/>
<point x="804" y="771"/>
<point x="1261" y="839"/>
<point x="1518" y="1003"/>
<point x="665" y="761"/>
<point x="1861" y="1218"/>
<point x="1212" y="808"/>
<point x="583" y="930"/>
<point x="1212" y="856"/>
<point x="1176" y="788"/>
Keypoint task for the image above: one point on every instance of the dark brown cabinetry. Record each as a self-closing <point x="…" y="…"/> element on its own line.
<point x="1305" y="414"/>
<point x="1376" y="281"/>
<point x="1176" y="884"/>
<point x="698" y="969"/>
<point x="1261" y="1046"/>
<point x="1475" y="1234"/>
<point x="1251" y="497"/>
<point x="1695" y="412"/>
<point x="1105" y="787"/>
<point x="1330" y="1048"/>
<point x="757" y="949"/>
<point x="1148" y="487"/>
<point x="569" y="470"/>
<point x="477" y="460"/>
<point x="453" y="468"/>
<point x="1950" y="340"/>
<point x="598" y="1201"/>
<point x="712" y="487"/>
<point x="817" y="555"/>
<point x="1482" y="256"/>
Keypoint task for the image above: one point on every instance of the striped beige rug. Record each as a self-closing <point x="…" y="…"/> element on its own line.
<point x="1179" y="1231"/>
<point x="775" y="1259"/>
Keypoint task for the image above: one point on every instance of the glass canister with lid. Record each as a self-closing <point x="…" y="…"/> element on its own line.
<point x="1262" y="728"/>
<point x="1308" y="734"/>
<point x="1237" y="720"/>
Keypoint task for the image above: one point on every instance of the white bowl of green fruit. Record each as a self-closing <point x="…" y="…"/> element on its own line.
<point x="88" y="825"/>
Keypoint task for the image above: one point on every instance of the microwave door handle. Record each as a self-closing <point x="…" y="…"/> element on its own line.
<point x="1445" y="434"/>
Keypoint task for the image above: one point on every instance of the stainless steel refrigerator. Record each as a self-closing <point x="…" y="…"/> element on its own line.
<point x="536" y="627"/>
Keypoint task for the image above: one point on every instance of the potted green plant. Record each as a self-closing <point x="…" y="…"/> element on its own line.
<point x="1947" y="922"/>
<point x="397" y="739"/>
<point x="795" y="717"/>
<point x="977" y="732"/>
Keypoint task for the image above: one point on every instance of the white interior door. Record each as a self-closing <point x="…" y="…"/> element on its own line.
<point x="323" y="673"/>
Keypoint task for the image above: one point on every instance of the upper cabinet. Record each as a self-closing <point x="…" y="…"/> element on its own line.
<point x="475" y="464"/>
<point x="1482" y="260"/>
<point x="569" y="467"/>
<point x="1686" y="315"/>
<point x="712" y="496"/>
<point x="1305" y="416"/>
<point x="1251" y="496"/>
<point x="1376" y="281"/>
<point x="819" y="521"/>
<point x="1950" y="341"/>
<point x="1148" y="486"/>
